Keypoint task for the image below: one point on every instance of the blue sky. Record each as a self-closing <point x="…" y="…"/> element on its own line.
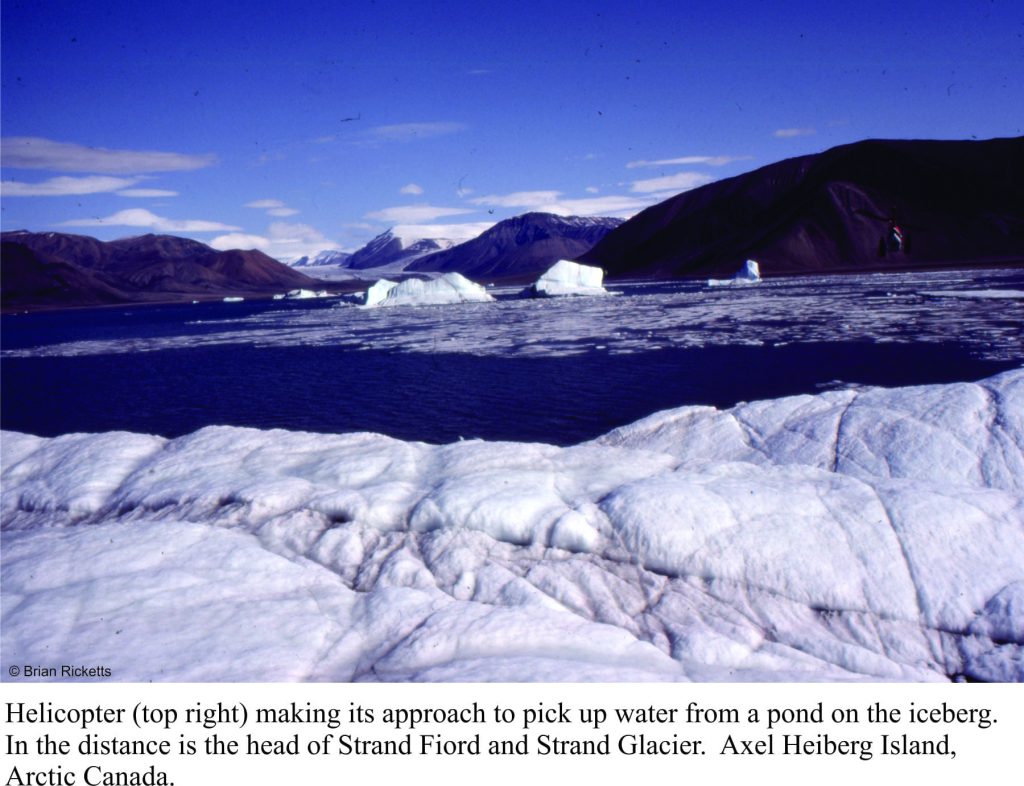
<point x="296" y="126"/>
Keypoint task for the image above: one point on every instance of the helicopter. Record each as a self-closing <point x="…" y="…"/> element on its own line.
<point x="895" y="239"/>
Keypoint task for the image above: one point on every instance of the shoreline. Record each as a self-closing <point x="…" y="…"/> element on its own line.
<point x="184" y="299"/>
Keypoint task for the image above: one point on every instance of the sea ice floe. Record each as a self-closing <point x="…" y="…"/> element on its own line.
<point x="980" y="294"/>
<point x="877" y="308"/>
<point x="304" y="294"/>
<point x="856" y="534"/>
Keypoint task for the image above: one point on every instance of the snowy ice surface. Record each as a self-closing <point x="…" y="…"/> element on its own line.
<point x="857" y="534"/>
<point x="339" y="273"/>
<point x="984" y="294"/>
<point x="881" y="308"/>
<point x="750" y="273"/>
<point x="570" y="278"/>
<point x="446" y="290"/>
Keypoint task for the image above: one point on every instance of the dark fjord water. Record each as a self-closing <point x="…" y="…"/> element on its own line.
<point x="548" y="371"/>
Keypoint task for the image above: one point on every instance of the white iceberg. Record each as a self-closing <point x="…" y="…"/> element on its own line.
<point x="303" y="294"/>
<point x="449" y="288"/>
<point x="750" y="273"/>
<point x="570" y="278"/>
<point x="862" y="534"/>
<point x="378" y="291"/>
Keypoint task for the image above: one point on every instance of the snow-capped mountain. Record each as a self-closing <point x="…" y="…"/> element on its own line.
<point x="329" y="257"/>
<point x="395" y="251"/>
<point x="520" y="248"/>
<point x="387" y="254"/>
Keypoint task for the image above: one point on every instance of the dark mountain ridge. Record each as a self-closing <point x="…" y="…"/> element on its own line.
<point x="955" y="204"/>
<point x="519" y="248"/>
<point x="390" y="249"/>
<point x="49" y="269"/>
<point x="32" y="278"/>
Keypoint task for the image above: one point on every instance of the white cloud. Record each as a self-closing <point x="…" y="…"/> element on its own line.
<point x="788" y="133"/>
<point x="273" y="207"/>
<point x="555" y="202"/>
<point x="239" y="240"/>
<point x="283" y="241"/>
<point x="681" y="181"/>
<point x="457" y="232"/>
<point x="406" y="132"/>
<point x="27" y="152"/>
<point x="611" y="205"/>
<point x="66" y="186"/>
<point x="688" y="160"/>
<point x="412" y="189"/>
<point x="414" y="214"/>
<point x="284" y="232"/>
<point x="146" y="192"/>
<point x="644" y="193"/>
<point x="518" y="199"/>
<point x="138" y="217"/>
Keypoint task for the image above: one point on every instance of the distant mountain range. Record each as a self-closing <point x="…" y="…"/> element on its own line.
<point x="872" y="205"/>
<point x="520" y="248"/>
<point x="321" y="259"/>
<point x="517" y="249"/>
<point x="388" y="253"/>
<point x="393" y="251"/>
<point x="54" y="269"/>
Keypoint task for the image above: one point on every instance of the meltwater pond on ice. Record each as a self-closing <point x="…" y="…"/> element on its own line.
<point x="438" y="397"/>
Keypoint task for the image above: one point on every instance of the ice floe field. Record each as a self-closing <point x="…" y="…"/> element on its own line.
<point x="846" y="532"/>
<point x="555" y="370"/>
